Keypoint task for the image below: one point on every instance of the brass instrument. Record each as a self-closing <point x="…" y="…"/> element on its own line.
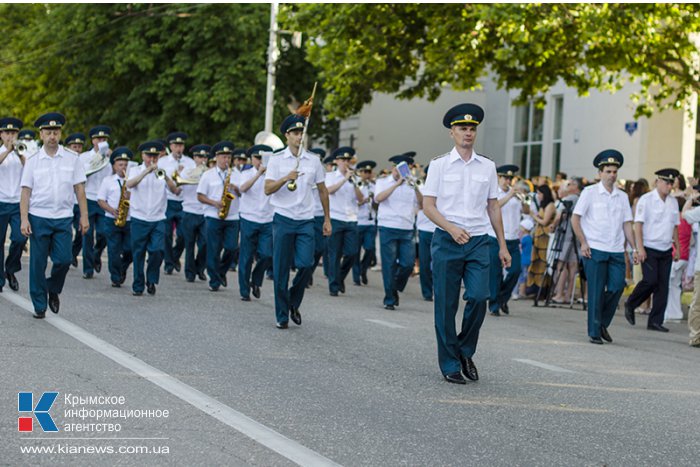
<point x="123" y="208"/>
<point x="26" y="148"/>
<point x="160" y="174"/>
<point x="192" y="177"/>
<point x="99" y="160"/>
<point x="226" y="198"/>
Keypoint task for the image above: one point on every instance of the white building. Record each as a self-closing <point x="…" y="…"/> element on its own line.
<point x="565" y="135"/>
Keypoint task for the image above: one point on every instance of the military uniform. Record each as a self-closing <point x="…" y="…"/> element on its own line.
<point x="320" y="242"/>
<point x="293" y="223"/>
<point x="221" y="233"/>
<point x="94" y="242"/>
<point x="76" y="139"/>
<point x="50" y="181"/>
<point x="173" y="214"/>
<point x="256" y="227"/>
<point x="10" y="175"/>
<point x="366" y="227"/>
<point x="426" y="229"/>
<point x="194" y="223"/>
<point x="109" y="195"/>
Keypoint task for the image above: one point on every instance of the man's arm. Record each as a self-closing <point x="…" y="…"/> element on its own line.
<point x="430" y="210"/>
<point x="578" y="231"/>
<point x="380" y="197"/>
<point x="25" y="226"/>
<point x="494" y="211"/>
<point x="629" y="235"/>
<point x="639" y="241"/>
<point x="133" y="181"/>
<point x="323" y="196"/>
<point x="82" y="204"/>
<point x="249" y="183"/>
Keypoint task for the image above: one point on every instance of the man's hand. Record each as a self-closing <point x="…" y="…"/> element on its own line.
<point x="676" y="254"/>
<point x="641" y="255"/>
<point x="293" y="175"/>
<point x="84" y="225"/>
<point x="25" y="227"/>
<point x="262" y="169"/>
<point x="585" y="250"/>
<point x="459" y="235"/>
<point x="327" y="229"/>
<point x="504" y="256"/>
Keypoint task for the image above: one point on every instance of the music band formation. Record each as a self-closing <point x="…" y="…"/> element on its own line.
<point x="271" y="213"/>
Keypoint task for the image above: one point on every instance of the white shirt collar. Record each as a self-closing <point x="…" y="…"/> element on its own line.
<point x="454" y="156"/>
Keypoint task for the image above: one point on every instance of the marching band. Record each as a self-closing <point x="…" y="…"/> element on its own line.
<point x="462" y="222"/>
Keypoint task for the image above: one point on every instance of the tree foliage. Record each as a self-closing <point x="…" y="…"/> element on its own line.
<point x="418" y="49"/>
<point x="147" y="69"/>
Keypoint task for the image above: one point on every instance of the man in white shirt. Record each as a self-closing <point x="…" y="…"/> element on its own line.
<point x="76" y="142"/>
<point x="344" y="196"/>
<point x="193" y="222"/>
<point x="11" y="165"/>
<point x="461" y="193"/>
<point x="656" y="228"/>
<point x="222" y="223"/>
<point x="256" y="225"/>
<point x="289" y="179"/>
<point x="602" y="220"/>
<point x="148" y="185"/>
<point x="94" y="242"/>
<point x="176" y="162"/>
<point x="398" y="203"/>
<point x="49" y="180"/>
<point x="426" y="229"/>
<point x="366" y="224"/>
<point x="500" y="288"/>
<point x="109" y="197"/>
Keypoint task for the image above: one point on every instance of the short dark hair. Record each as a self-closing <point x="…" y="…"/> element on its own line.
<point x="562" y="175"/>
<point x="577" y="182"/>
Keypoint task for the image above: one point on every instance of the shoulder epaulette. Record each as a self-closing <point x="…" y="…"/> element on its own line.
<point x="279" y="150"/>
<point x="440" y="157"/>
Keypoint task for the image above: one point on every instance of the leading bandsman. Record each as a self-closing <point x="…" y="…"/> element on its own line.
<point x="148" y="185"/>
<point x="49" y="181"/>
<point x="602" y="220"/>
<point x="218" y="190"/>
<point x="344" y="198"/>
<point x="461" y="193"/>
<point x="11" y="165"/>
<point x="113" y="198"/>
<point x="175" y="162"/>
<point x="256" y="225"/>
<point x="288" y="181"/>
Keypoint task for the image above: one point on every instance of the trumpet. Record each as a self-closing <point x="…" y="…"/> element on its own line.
<point x="26" y="148"/>
<point x="192" y="177"/>
<point x="160" y="174"/>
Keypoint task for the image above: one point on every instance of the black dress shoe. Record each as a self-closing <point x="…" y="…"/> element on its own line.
<point x="341" y="287"/>
<point x="284" y="325"/>
<point x="604" y="334"/>
<point x="189" y="279"/>
<point x="334" y="294"/>
<point x="295" y="316"/>
<point x="122" y="279"/>
<point x="168" y="272"/>
<point x="468" y="368"/>
<point x="495" y="313"/>
<point x="74" y="263"/>
<point x="256" y="291"/>
<point x="151" y="289"/>
<point x="224" y="282"/>
<point x="356" y="283"/>
<point x="178" y="266"/>
<point x="54" y="302"/>
<point x="311" y="281"/>
<point x="629" y="314"/>
<point x="428" y="299"/>
<point x="245" y="299"/>
<point x="136" y="294"/>
<point x="202" y="276"/>
<point x="389" y="307"/>
<point x="363" y="277"/>
<point x="213" y="289"/>
<point x="12" y="281"/>
<point x="504" y="308"/>
<point x="656" y="327"/>
<point x="595" y="340"/>
<point x="116" y="285"/>
<point x="456" y="378"/>
<point x="87" y="276"/>
<point x="39" y="314"/>
<point x="98" y="265"/>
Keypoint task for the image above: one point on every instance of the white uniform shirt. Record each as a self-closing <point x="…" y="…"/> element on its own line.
<point x="10" y="176"/>
<point x="511" y="214"/>
<point x="211" y="185"/>
<point x="422" y="222"/>
<point x="148" y="199"/>
<point x="298" y="204"/>
<point x="171" y="165"/>
<point x="52" y="180"/>
<point x="343" y="203"/>
<point x="659" y="219"/>
<point x="111" y="192"/>
<point x="318" y="207"/>
<point x="398" y="211"/>
<point x="94" y="181"/>
<point x="602" y="217"/>
<point x="462" y="190"/>
<point x="255" y="204"/>
<point x="190" y="203"/>
<point x="363" y="213"/>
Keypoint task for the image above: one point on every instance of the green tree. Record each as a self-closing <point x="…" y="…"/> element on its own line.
<point x="415" y="50"/>
<point x="147" y="69"/>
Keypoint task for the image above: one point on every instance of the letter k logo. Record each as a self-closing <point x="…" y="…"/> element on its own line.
<point x="41" y="411"/>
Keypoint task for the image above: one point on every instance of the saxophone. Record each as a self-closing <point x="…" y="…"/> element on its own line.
<point x="123" y="208"/>
<point x="226" y="198"/>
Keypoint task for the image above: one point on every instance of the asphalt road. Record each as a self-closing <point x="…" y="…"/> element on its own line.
<point x="355" y="384"/>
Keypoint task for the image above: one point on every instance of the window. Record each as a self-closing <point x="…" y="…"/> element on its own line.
<point x="556" y="137"/>
<point x="527" y="148"/>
